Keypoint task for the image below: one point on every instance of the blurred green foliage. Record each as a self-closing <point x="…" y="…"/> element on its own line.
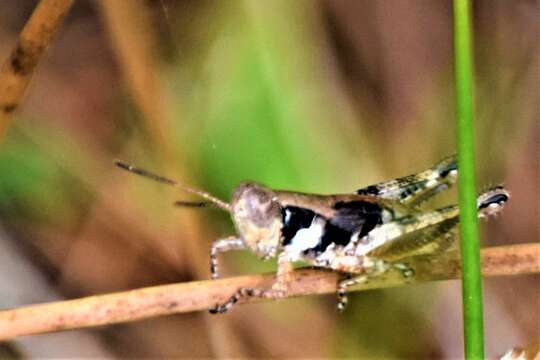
<point x="255" y="95"/>
<point x="33" y="185"/>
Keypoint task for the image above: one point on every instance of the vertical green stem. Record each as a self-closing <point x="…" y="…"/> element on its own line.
<point x="470" y="246"/>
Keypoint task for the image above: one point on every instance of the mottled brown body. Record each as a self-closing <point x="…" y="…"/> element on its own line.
<point x="362" y="235"/>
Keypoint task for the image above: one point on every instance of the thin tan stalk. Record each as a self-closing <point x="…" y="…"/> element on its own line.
<point x="134" y="39"/>
<point x="200" y="295"/>
<point x="16" y="72"/>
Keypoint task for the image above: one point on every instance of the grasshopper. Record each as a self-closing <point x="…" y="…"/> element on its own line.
<point x="362" y="234"/>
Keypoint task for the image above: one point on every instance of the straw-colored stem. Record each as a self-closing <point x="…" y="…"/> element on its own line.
<point x="201" y="295"/>
<point x="134" y="42"/>
<point x="17" y="71"/>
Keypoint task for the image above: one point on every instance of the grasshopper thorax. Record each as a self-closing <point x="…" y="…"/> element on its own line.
<point x="257" y="216"/>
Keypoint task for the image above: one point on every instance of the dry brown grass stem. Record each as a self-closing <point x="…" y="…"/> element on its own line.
<point x="200" y="295"/>
<point x="16" y="72"/>
<point x="134" y="39"/>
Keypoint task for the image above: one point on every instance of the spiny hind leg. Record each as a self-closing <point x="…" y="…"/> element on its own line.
<point x="414" y="189"/>
<point x="428" y="233"/>
<point x="380" y="267"/>
<point x="423" y="234"/>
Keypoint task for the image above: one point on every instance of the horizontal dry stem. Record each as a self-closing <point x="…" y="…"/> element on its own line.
<point x="201" y="295"/>
<point x="16" y="72"/>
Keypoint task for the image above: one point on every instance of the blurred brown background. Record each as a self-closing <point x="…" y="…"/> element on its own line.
<point x="315" y="96"/>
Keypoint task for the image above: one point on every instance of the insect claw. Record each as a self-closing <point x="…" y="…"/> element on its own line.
<point x="341" y="306"/>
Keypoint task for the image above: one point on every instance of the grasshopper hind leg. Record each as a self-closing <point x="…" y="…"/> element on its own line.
<point x="426" y="234"/>
<point x="405" y="269"/>
<point x="351" y="280"/>
<point x="412" y="190"/>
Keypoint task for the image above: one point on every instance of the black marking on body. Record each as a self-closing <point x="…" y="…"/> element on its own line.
<point x="357" y="215"/>
<point x="332" y="235"/>
<point x="298" y="218"/>
<point x="350" y="217"/>
<point x="370" y="190"/>
<point x="411" y="187"/>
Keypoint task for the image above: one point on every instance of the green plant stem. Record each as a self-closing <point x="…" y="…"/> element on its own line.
<point x="470" y="245"/>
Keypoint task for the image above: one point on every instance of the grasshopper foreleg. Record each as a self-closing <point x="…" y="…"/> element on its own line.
<point x="277" y="291"/>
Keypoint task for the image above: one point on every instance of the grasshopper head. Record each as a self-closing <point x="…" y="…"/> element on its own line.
<point x="257" y="216"/>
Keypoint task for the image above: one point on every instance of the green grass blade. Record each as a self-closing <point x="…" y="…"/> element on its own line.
<point x="470" y="245"/>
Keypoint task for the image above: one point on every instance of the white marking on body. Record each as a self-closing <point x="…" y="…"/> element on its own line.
<point x="386" y="216"/>
<point x="351" y="264"/>
<point x="288" y="214"/>
<point x="326" y="257"/>
<point x="306" y="238"/>
<point x="349" y="249"/>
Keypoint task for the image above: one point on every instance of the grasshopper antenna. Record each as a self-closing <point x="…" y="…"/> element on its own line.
<point x="161" y="179"/>
<point x="193" y="204"/>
